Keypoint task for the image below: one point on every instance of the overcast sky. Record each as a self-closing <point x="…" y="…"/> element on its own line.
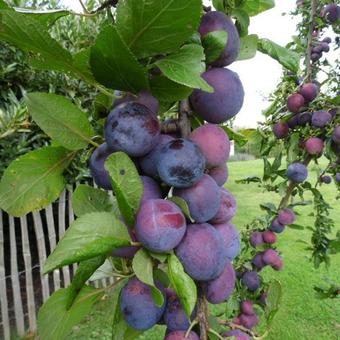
<point x="261" y="74"/>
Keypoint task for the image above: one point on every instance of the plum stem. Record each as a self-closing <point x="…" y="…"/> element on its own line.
<point x="215" y="333"/>
<point x="202" y="314"/>
<point x="183" y="118"/>
<point x="192" y="325"/>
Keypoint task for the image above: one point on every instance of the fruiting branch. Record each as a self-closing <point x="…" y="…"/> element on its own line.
<point x="309" y="69"/>
<point x="202" y="314"/>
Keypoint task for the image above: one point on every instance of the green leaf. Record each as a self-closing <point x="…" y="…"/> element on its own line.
<point x="60" y="119"/>
<point x="248" y="47"/>
<point x="81" y="62"/>
<point x="183" y="205"/>
<point x="168" y="91"/>
<point x="85" y="270"/>
<point x="214" y="44"/>
<point x="287" y="58"/>
<point x="90" y="235"/>
<point x="242" y="21"/>
<point x="142" y="266"/>
<point x="218" y="5"/>
<point x="34" y="180"/>
<point x="296" y="226"/>
<point x="151" y="27"/>
<point x="104" y="271"/>
<point x="269" y="207"/>
<point x="46" y="16"/>
<point x="273" y="300"/>
<point x="185" y="67"/>
<point x="255" y="7"/>
<point x="293" y="149"/>
<point x="126" y="184"/>
<point x="113" y="64"/>
<point x="183" y="284"/>
<point x="31" y="36"/>
<point x="55" y="321"/>
<point x="237" y="137"/>
<point x="3" y="5"/>
<point x="87" y="199"/>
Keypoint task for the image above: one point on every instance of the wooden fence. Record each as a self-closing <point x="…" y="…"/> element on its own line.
<point x="25" y="243"/>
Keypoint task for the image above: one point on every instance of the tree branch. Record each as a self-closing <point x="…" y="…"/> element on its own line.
<point x="183" y="118"/>
<point x="309" y="68"/>
<point x="202" y="314"/>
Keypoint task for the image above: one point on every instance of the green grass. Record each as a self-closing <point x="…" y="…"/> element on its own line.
<point x="301" y="315"/>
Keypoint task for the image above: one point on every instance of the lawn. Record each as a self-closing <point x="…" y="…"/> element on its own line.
<point x="301" y="315"/>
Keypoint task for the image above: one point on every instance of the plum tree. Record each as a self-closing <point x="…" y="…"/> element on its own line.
<point x="133" y="128"/>
<point x="137" y="305"/>
<point x="295" y="102"/>
<point x="226" y="100"/>
<point x="231" y="238"/>
<point x="297" y="172"/>
<point x="160" y="225"/>
<point x="227" y="208"/>
<point x="314" y="146"/>
<point x="281" y="130"/>
<point x="202" y="252"/>
<point x="214" y="144"/>
<point x="217" y="21"/>
<point x="149" y="162"/>
<point x="203" y="198"/>
<point x="180" y="335"/>
<point x="219" y="174"/>
<point x="181" y="163"/>
<point x="321" y="118"/>
<point x="96" y="164"/>
<point x="219" y="289"/>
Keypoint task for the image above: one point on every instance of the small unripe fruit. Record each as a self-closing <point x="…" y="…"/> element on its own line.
<point x="247" y="307"/>
<point x="249" y="321"/>
<point x="314" y="146"/>
<point x="256" y="239"/>
<point x="337" y="177"/>
<point x="309" y="91"/>
<point x="295" y="102"/>
<point x="286" y="216"/>
<point x="269" y="237"/>
<point x="281" y="130"/>
<point x="326" y="179"/>
<point x="276" y="226"/>
<point x="321" y="118"/>
<point x="336" y="135"/>
<point x="257" y="261"/>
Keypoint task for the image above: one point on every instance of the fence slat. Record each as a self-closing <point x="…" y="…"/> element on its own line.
<point x="3" y="290"/>
<point x="53" y="242"/>
<point x="18" y="310"/>
<point x="32" y="322"/>
<point x="71" y="220"/>
<point x="61" y="219"/>
<point x="39" y="233"/>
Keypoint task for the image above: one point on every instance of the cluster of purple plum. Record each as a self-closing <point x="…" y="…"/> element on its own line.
<point x="318" y="120"/>
<point x="192" y="168"/>
<point x="267" y="256"/>
<point x="319" y="48"/>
